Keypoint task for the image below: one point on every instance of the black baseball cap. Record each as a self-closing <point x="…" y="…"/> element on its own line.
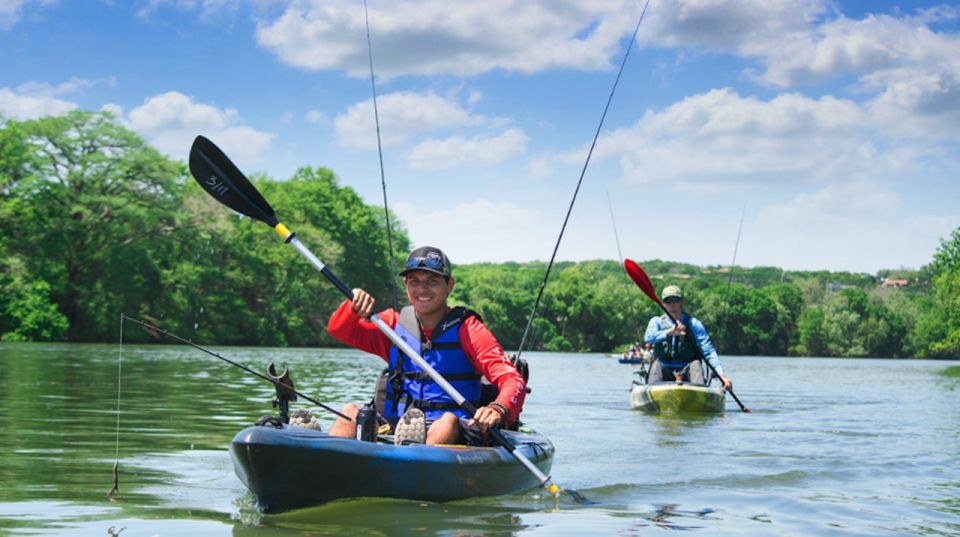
<point x="428" y="258"/>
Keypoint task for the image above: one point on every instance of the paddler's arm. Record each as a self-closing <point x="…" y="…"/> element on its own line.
<point x="655" y="333"/>
<point x="482" y="348"/>
<point x="709" y="351"/>
<point x="350" y="324"/>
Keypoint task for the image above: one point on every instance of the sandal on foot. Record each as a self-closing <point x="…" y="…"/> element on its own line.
<point x="411" y="428"/>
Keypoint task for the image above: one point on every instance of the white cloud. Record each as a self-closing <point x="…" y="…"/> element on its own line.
<point x="727" y="25"/>
<point x="402" y="115"/>
<point x="859" y="226"/>
<point x="208" y="8"/>
<point x="74" y="85"/>
<point x="909" y="72"/>
<point x="316" y="117"/>
<point x="445" y="37"/>
<point x="22" y="107"/>
<point x="11" y="11"/>
<point x="842" y="46"/>
<point x="492" y="229"/>
<point x="170" y="122"/>
<point x="458" y="151"/>
<point x="719" y="136"/>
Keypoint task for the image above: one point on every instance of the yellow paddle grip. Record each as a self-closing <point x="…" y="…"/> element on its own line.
<point x="282" y="230"/>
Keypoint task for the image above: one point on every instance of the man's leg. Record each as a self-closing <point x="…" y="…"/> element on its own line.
<point x="342" y="427"/>
<point x="695" y="372"/>
<point x="656" y="373"/>
<point x="446" y="430"/>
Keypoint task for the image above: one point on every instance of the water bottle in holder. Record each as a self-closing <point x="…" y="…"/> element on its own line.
<point x="367" y="423"/>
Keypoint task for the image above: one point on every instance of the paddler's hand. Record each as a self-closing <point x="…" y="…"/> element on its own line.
<point x="363" y="303"/>
<point x="677" y="330"/>
<point x="485" y="418"/>
<point x="727" y="383"/>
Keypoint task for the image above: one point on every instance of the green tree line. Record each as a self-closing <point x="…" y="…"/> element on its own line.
<point x="94" y="223"/>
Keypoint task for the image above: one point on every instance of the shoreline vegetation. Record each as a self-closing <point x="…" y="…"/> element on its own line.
<point x="94" y="222"/>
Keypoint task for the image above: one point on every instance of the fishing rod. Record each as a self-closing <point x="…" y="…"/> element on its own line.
<point x="553" y="256"/>
<point x="221" y="178"/>
<point x="276" y="382"/>
<point x="733" y="264"/>
<point x="639" y="277"/>
<point x="626" y="279"/>
<point x="383" y="180"/>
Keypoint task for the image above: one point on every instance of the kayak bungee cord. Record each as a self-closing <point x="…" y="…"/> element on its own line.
<point x="275" y="382"/>
<point x="543" y="284"/>
<point x="626" y="280"/>
<point x="383" y="181"/>
<point x="116" y="462"/>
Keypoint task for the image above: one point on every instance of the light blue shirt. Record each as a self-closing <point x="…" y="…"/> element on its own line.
<point x="658" y="327"/>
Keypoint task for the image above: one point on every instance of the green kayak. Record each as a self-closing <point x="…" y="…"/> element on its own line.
<point x="676" y="397"/>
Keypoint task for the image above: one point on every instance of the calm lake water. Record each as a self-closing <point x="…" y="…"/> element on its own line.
<point x="833" y="447"/>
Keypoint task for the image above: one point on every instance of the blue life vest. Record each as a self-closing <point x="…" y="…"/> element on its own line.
<point x="408" y="385"/>
<point x="675" y="351"/>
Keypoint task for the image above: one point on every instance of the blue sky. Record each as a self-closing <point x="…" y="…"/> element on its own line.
<point x="833" y="126"/>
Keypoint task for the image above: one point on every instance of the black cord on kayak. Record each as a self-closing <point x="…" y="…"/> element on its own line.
<point x="276" y="383"/>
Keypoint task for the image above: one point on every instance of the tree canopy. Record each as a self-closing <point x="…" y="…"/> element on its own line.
<point x="94" y="223"/>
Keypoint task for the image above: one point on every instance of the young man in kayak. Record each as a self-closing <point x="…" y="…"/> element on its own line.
<point x="454" y="341"/>
<point x="674" y="356"/>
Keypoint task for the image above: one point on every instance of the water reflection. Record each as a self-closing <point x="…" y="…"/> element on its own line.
<point x="831" y="453"/>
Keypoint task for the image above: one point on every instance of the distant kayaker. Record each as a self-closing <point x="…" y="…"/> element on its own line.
<point x="675" y="358"/>
<point x="647" y="353"/>
<point x="454" y="341"/>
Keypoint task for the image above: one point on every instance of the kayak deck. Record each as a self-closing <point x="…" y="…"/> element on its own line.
<point x="292" y="467"/>
<point x="676" y="397"/>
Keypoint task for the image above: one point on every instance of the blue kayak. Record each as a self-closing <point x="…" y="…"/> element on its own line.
<point x="291" y="467"/>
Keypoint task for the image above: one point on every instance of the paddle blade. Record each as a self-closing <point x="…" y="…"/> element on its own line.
<point x="640" y="278"/>
<point x="226" y="183"/>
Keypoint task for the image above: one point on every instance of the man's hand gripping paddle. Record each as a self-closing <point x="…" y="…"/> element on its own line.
<point x="227" y="184"/>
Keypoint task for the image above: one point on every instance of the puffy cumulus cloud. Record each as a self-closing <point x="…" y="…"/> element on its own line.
<point x="458" y="151"/>
<point x="461" y="37"/>
<point x="841" y="47"/>
<point x="35" y="99"/>
<point x="207" y="8"/>
<point x="402" y="115"/>
<point x="907" y="72"/>
<point x="727" y="25"/>
<point x="861" y="226"/>
<point x="19" y="106"/>
<point x="171" y="121"/>
<point x="492" y="229"/>
<point x="919" y="103"/>
<point x="720" y="137"/>
<point x="11" y="11"/>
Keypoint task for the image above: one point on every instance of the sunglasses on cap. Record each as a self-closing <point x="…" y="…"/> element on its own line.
<point x="672" y="299"/>
<point x="430" y="262"/>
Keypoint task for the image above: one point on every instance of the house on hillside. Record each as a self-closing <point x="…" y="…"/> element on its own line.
<point x="894" y="282"/>
<point x="834" y="286"/>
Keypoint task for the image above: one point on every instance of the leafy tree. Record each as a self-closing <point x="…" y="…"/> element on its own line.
<point x="93" y="208"/>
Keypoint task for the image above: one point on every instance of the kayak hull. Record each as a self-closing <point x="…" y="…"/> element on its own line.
<point x="293" y="467"/>
<point x="677" y="397"/>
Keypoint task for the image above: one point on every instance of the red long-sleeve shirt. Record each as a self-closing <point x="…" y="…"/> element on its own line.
<point x="477" y="342"/>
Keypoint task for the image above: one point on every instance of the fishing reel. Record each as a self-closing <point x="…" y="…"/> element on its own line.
<point x="285" y="391"/>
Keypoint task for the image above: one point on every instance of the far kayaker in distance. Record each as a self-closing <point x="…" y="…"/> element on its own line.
<point x="454" y="341"/>
<point x="675" y="358"/>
